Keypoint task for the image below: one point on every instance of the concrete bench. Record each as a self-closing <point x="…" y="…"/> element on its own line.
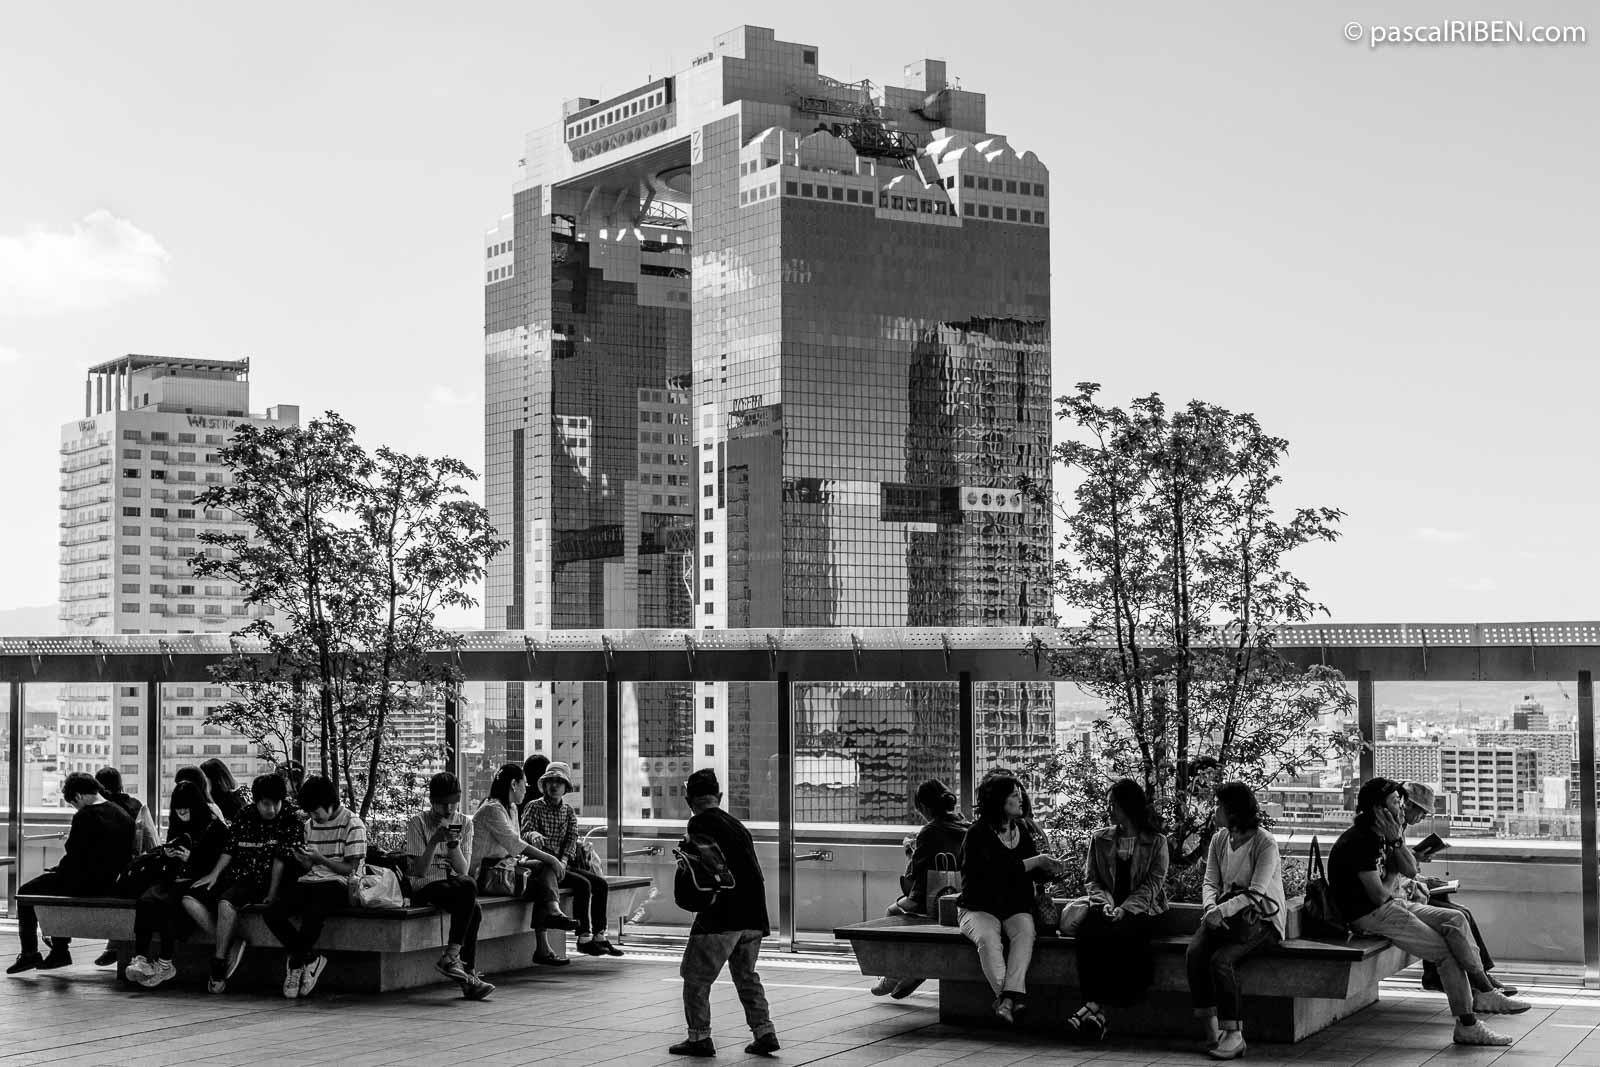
<point x="1290" y="992"/>
<point x="369" y="950"/>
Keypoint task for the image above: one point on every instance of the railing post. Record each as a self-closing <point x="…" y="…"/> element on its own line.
<point x="786" y="915"/>
<point x="152" y="749"/>
<point x="613" y="773"/>
<point x="967" y="733"/>
<point x="1365" y="700"/>
<point x="1586" y="794"/>
<point x="14" y="794"/>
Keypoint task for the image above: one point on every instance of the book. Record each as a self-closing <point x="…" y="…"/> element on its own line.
<point x="1442" y="885"/>
<point x="1431" y="844"/>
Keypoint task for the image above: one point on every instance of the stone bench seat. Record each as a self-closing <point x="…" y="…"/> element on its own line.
<point x="1290" y="991"/>
<point x="369" y="949"/>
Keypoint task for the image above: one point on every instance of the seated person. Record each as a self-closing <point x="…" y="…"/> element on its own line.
<point x="144" y="830"/>
<point x="195" y="838"/>
<point x="1419" y="806"/>
<point x="191" y="773"/>
<point x="1364" y="872"/>
<point x="99" y="846"/>
<point x="942" y="834"/>
<point x="439" y="847"/>
<point x="495" y="839"/>
<point x="335" y="846"/>
<point x="557" y="822"/>
<point x="228" y="794"/>
<point x="249" y="871"/>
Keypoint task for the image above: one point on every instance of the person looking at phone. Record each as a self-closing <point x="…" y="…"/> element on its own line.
<point x="943" y="830"/>
<point x="1419" y="805"/>
<point x="1365" y="869"/>
<point x="195" y="839"/>
<point x="439" y="843"/>
<point x="249" y="871"/>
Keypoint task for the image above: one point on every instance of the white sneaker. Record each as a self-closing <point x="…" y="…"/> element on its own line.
<point x="140" y="969"/>
<point x="1494" y="1002"/>
<point x="883" y="988"/>
<point x="164" y="972"/>
<point x="310" y="973"/>
<point x="291" y="981"/>
<point x="1229" y="1047"/>
<point x="1478" y="1034"/>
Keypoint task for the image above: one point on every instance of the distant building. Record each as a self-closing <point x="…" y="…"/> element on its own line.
<point x="1487" y="780"/>
<point x="1529" y="714"/>
<point x="132" y="470"/>
<point x="1555" y="748"/>
<point x="1407" y="761"/>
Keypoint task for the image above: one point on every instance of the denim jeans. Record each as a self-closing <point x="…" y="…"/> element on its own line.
<point x="1212" y="958"/>
<point x="1007" y="972"/>
<point x="703" y="959"/>
<point x="1438" y="935"/>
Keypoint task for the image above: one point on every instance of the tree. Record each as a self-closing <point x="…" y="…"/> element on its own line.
<point x="353" y="555"/>
<point x="1173" y="554"/>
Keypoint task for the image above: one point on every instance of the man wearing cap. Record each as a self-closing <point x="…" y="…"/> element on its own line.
<point x="557" y="821"/>
<point x="728" y="932"/>
<point x="1419" y="805"/>
<point x="1365" y="869"/>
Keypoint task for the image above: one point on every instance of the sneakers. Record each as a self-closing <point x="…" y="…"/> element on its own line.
<point x="105" y="959"/>
<point x="1229" y="1047"/>
<point x="475" y="988"/>
<point x="451" y="968"/>
<point x="700" y="1046"/>
<point x="1478" y="1034"/>
<point x="235" y="957"/>
<point x="291" y="980"/>
<point x="885" y="986"/>
<point x="310" y="973"/>
<point x="26" y="961"/>
<point x="763" y="1045"/>
<point x="140" y="969"/>
<point x="162" y="971"/>
<point x="1087" y="1024"/>
<point x="1494" y="1002"/>
<point x="216" y="985"/>
<point x="58" y="957"/>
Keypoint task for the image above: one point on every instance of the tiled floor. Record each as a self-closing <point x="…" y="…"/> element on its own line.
<point x="626" y="1012"/>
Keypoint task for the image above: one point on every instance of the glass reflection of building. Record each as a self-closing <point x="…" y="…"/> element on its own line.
<point x="765" y="349"/>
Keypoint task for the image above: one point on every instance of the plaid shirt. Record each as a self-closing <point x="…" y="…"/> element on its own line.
<point x="557" y="823"/>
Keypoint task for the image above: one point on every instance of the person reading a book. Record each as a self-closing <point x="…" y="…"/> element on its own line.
<point x="1419" y="805"/>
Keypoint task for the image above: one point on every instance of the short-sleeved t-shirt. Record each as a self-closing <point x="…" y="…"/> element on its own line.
<point x="1358" y="849"/>
<point x="422" y="826"/>
<point x="253" y="843"/>
<point x="343" y="837"/>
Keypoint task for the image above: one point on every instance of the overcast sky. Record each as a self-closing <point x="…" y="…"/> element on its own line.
<point x="1388" y="254"/>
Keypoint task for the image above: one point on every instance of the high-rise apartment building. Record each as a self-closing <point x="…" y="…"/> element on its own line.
<point x="1488" y="780"/>
<point x="132" y="471"/>
<point x="1407" y="761"/>
<point x="1529" y="714"/>
<point x="1556" y="749"/>
<point x="768" y="349"/>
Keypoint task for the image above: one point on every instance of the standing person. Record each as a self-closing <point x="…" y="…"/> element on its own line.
<point x="334" y="848"/>
<point x="439" y="844"/>
<point x="144" y="831"/>
<point x="942" y="833"/>
<point x="1001" y="866"/>
<point x="229" y="795"/>
<point x="195" y="839"/>
<point x="729" y="932"/>
<point x="1243" y="900"/>
<point x="557" y="822"/>
<point x="1125" y="873"/>
<point x="252" y="862"/>
<point x="495" y="838"/>
<point x="98" y="848"/>
<point x="1364" y="871"/>
<point x="1419" y="806"/>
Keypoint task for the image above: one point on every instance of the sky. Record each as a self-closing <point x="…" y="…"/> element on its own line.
<point x="1388" y="254"/>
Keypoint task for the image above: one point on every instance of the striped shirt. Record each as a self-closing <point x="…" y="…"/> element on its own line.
<point x="342" y="837"/>
<point x="557" y="823"/>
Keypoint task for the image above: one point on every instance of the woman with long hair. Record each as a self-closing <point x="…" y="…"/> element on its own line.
<point x="942" y="833"/>
<point x="195" y="838"/>
<point x="227" y="794"/>
<point x="195" y="776"/>
<point x="1125" y="876"/>
<point x="1243" y="899"/>
<point x="1000" y="866"/>
<point x="494" y="829"/>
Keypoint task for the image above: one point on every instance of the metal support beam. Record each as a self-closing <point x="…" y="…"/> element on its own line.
<point x="152" y="750"/>
<point x="1365" y="706"/>
<point x="1586" y="794"/>
<point x="786" y="915"/>
<point x="452" y="729"/>
<point x="613" y="774"/>
<point x="14" y="795"/>
<point x="967" y="748"/>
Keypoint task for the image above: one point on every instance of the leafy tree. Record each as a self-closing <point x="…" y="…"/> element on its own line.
<point x="1173" y="553"/>
<point x="354" y="555"/>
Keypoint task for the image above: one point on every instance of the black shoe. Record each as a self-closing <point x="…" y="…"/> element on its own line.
<point x="26" y="961"/>
<point x="765" y="1045"/>
<point x="548" y="921"/>
<point x="105" y="959"/>
<point x="697" y="1047"/>
<point x="59" y="957"/>
<point x="606" y="947"/>
<point x="592" y="947"/>
<point x="550" y="960"/>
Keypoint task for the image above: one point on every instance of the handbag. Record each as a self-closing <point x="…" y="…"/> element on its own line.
<point x="1261" y="909"/>
<point x="498" y="878"/>
<point x="147" y="869"/>
<point x="942" y="879"/>
<point x="1073" y="912"/>
<point x="1319" y="915"/>
<point x="1046" y="912"/>
<point x="376" y="887"/>
<point x="585" y="858"/>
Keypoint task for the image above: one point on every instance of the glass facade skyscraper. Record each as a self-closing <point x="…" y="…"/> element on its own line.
<point x="766" y="349"/>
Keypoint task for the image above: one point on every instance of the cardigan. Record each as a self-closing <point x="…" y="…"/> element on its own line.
<point x="993" y="879"/>
<point x="1147" y="875"/>
<point x="1255" y="864"/>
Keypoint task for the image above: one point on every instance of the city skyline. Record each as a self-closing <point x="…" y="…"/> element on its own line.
<point x="1177" y="268"/>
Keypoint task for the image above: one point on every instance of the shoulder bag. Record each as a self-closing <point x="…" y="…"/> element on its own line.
<point x="1320" y="916"/>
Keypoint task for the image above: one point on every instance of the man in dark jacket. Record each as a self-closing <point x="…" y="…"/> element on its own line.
<point x="729" y="931"/>
<point x="99" y="846"/>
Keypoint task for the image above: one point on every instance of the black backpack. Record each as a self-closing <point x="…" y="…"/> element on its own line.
<point x="702" y="873"/>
